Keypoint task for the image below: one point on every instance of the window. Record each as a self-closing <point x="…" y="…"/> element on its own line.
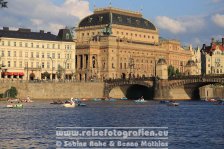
<point x="48" y="46"/>
<point x="120" y="65"/>
<point x="20" y="44"/>
<point x="14" y="63"/>
<point x="37" y="46"/>
<point x="14" y="53"/>
<point x="53" y="55"/>
<point x="26" y="44"/>
<point x="58" y="46"/>
<point x="26" y="54"/>
<point x="48" y="55"/>
<point x="31" y="55"/>
<point x="8" y="43"/>
<point x="53" y="46"/>
<point x="20" y="54"/>
<point x="37" y="64"/>
<point x="48" y="64"/>
<point x="42" y="55"/>
<point x="100" y="18"/>
<point x="20" y="64"/>
<point x="129" y="20"/>
<point x="43" y="46"/>
<point x="67" y="36"/>
<point x="68" y="65"/>
<point x="37" y="55"/>
<point x="9" y="64"/>
<point x="3" y="53"/>
<point x="9" y="53"/>
<point x="208" y="65"/>
<point x="15" y="44"/>
<point x="31" y="45"/>
<point x="31" y="64"/>
<point x="42" y="65"/>
<point x="3" y="43"/>
<point x="59" y="56"/>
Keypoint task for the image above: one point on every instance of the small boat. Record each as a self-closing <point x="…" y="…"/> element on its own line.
<point x="211" y="100"/>
<point x="124" y="98"/>
<point x="57" y="102"/>
<point x="164" y="101"/>
<point x="97" y="99"/>
<point x="19" y="105"/>
<point x="13" y="100"/>
<point x="79" y="103"/>
<point x="110" y="99"/>
<point x="173" y="104"/>
<point x="140" y="100"/>
<point x="69" y="104"/>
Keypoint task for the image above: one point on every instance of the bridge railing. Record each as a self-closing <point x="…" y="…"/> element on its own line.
<point x="210" y="76"/>
<point x="129" y="79"/>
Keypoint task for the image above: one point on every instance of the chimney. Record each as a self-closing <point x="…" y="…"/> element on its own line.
<point x="5" y="28"/>
<point x="42" y="31"/>
<point x="223" y="41"/>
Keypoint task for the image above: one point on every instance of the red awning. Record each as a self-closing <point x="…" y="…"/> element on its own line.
<point x="15" y="73"/>
<point x="9" y="73"/>
<point x="21" y="74"/>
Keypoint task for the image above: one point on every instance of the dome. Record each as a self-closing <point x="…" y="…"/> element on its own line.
<point x="116" y="16"/>
<point x="191" y="63"/>
<point x="161" y="61"/>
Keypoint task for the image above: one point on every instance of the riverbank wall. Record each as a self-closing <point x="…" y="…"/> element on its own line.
<point x="55" y="90"/>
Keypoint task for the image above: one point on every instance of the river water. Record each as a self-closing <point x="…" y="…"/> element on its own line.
<point x="192" y="125"/>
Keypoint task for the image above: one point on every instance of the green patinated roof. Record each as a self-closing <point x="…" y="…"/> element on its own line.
<point x="115" y="18"/>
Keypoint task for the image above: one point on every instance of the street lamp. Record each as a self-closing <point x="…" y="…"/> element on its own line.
<point x="51" y="68"/>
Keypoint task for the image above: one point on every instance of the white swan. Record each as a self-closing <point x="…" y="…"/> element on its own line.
<point x="71" y="104"/>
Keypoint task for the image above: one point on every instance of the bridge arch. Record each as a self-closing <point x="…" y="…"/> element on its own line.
<point x="132" y="91"/>
<point x="189" y="88"/>
<point x="121" y="88"/>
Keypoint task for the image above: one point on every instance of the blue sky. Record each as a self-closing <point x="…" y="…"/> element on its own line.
<point x="190" y="21"/>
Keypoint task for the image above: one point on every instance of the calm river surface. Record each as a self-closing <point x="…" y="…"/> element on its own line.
<point x="192" y="125"/>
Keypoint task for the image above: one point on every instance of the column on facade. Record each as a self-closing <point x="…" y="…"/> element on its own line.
<point x="84" y="61"/>
<point x="78" y="62"/>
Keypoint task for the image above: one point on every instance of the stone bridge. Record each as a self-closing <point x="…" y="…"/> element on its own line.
<point x="123" y="85"/>
<point x="185" y="87"/>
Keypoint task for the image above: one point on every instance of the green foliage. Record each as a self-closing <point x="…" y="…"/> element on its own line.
<point x="46" y="74"/>
<point x="60" y="71"/>
<point x="12" y="92"/>
<point x="172" y="72"/>
<point x="3" y="4"/>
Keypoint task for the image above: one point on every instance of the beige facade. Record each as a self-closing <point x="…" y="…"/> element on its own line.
<point x="28" y="55"/>
<point x="213" y="58"/>
<point x="114" y="43"/>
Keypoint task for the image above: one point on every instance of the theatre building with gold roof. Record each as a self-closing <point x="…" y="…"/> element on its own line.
<point x="114" y="43"/>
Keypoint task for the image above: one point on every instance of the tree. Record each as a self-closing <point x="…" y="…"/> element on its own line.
<point x="12" y="92"/>
<point x="46" y="75"/>
<point x="3" y="4"/>
<point x="60" y="71"/>
<point x="171" y="71"/>
<point x="177" y="72"/>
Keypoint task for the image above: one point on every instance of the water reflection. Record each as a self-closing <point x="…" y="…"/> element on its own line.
<point x="191" y="125"/>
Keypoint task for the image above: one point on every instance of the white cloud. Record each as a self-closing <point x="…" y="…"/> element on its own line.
<point x="186" y="24"/>
<point x="170" y="24"/>
<point x="44" y="14"/>
<point x="218" y="19"/>
<point x="36" y="21"/>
